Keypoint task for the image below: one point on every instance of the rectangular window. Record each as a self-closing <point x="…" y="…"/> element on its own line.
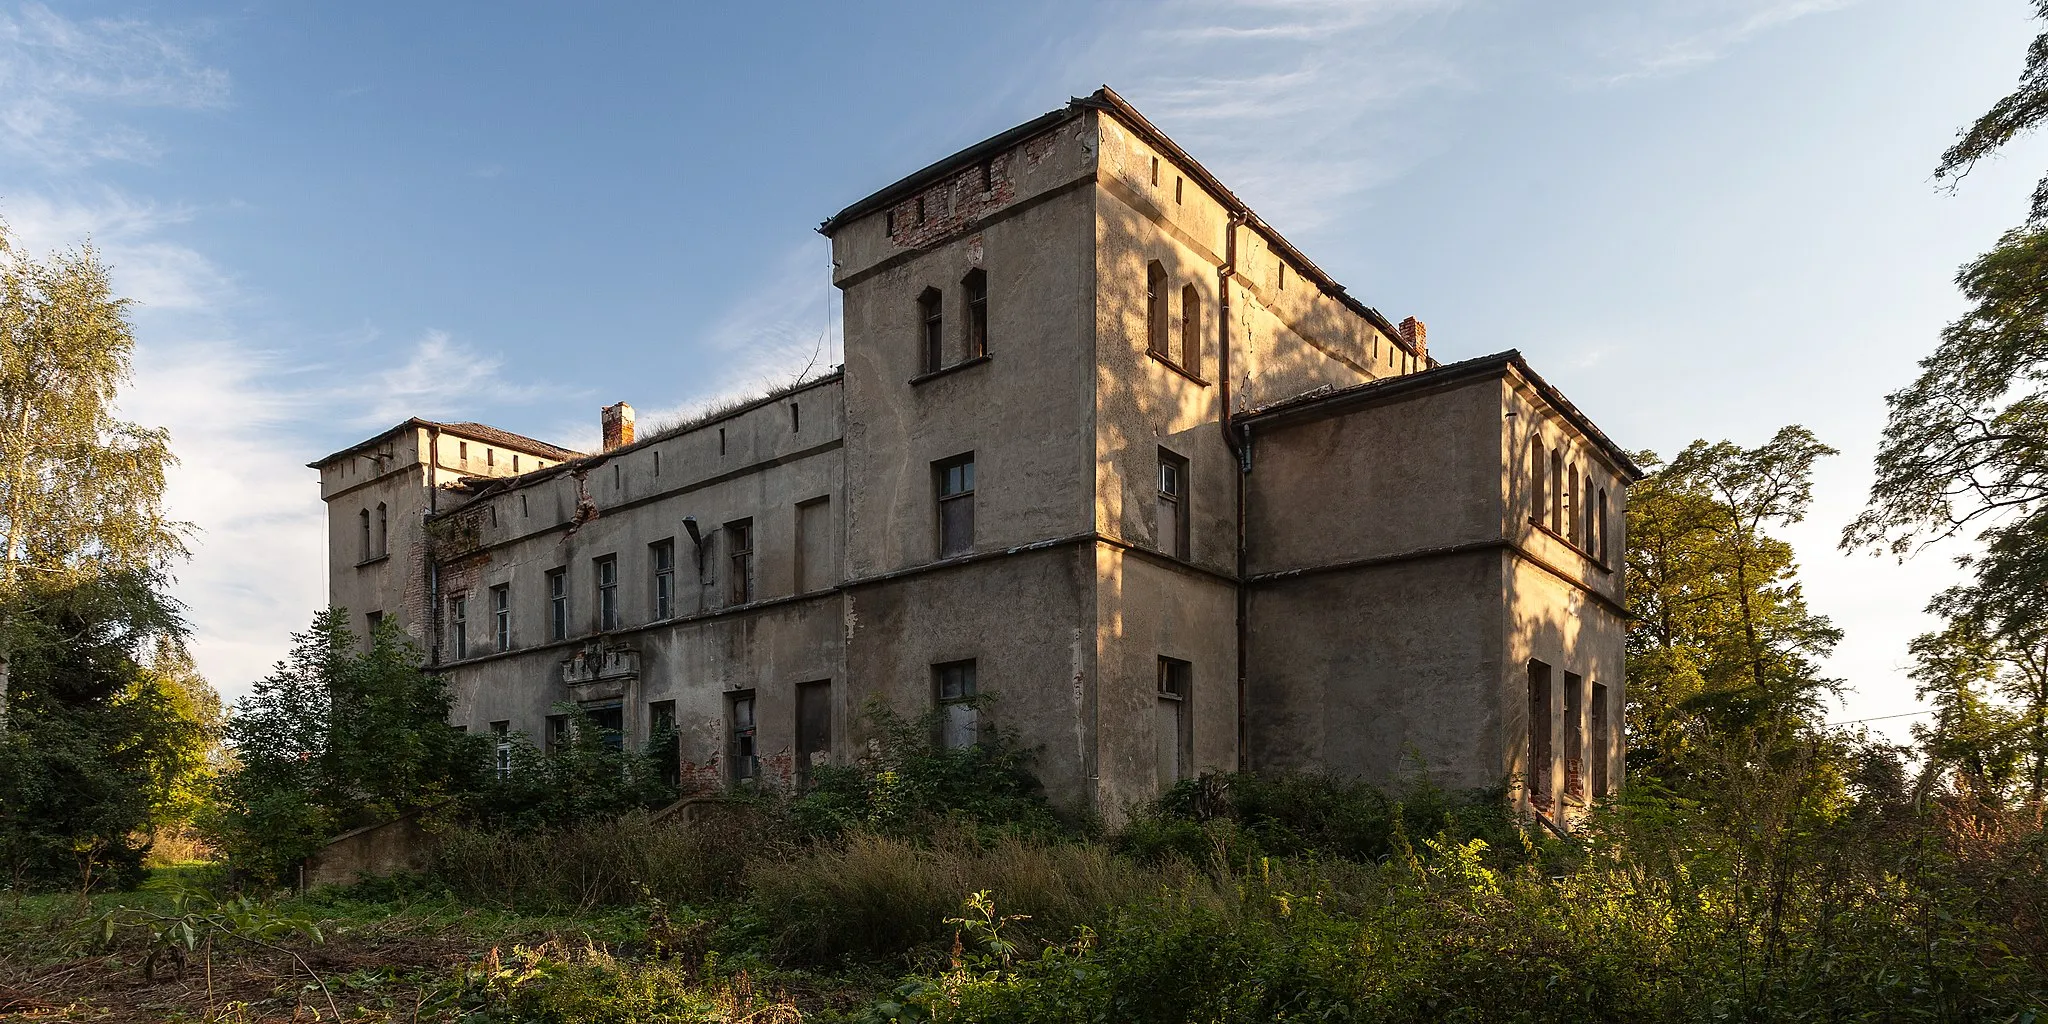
<point x="739" y="546"/>
<point x="663" y="554"/>
<point x="1600" y="527"/>
<point x="664" y="742"/>
<point x="1600" y="753"/>
<point x="558" y="604"/>
<point x="1191" y="329"/>
<point x="373" y="620"/>
<point x="462" y="452"/>
<point x="657" y="462"/>
<point x="1572" y="509"/>
<point x="515" y="462"/>
<point x="796" y="418"/>
<point x="1178" y="185"/>
<point x="1173" y="505"/>
<point x="813" y="726"/>
<point x="1556" y="490"/>
<point x="1155" y="170"/>
<point x="931" y="318"/>
<point x="1574" y="738"/>
<point x="501" y="738"/>
<point x="953" y="691"/>
<point x="976" y="286"/>
<point x="610" y="722"/>
<point x="1537" y="766"/>
<point x="491" y="458"/>
<point x="721" y="442"/>
<point x="1155" y="309"/>
<point x="558" y="734"/>
<point x="608" y="593"/>
<point x="814" y="569"/>
<point x="954" y="481"/>
<point x="458" y="624"/>
<point x="746" y="762"/>
<point x="501" y="615"/>
<point x="1174" y="733"/>
<point x="365" y="547"/>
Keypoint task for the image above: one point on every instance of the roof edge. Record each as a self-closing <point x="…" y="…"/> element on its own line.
<point x="1498" y="364"/>
<point x="540" y="448"/>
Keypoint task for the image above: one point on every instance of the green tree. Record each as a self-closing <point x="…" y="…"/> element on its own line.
<point x="1989" y="693"/>
<point x="1723" y="643"/>
<point x="337" y="737"/>
<point x="103" y="724"/>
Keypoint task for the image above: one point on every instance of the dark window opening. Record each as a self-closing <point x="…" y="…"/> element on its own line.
<point x="458" y="624"/>
<point x="558" y="604"/>
<point x="491" y="458"/>
<point x="796" y="419"/>
<point x="383" y="531"/>
<point x="657" y="462"/>
<point x="501" y="615"/>
<point x="1539" y="487"/>
<point x="365" y="545"/>
<point x="1191" y="329"/>
<point x="917" y="205"/>
<point x="1572" y="509"/>
<point x="663" y="554"/>
<point x="954" y="482"/>
<point x="1556" y="490"/>
<point x="745" y="760"/>
<point x="953" y="689"/>
<point x="1601" y="527"/>
<point x="1537" y="765"/>
<point x="1178" y="183"/>
<point x="813" y="726"/>
<point x="373" y="620"/>
<point x="462" y="452"/>
<point x="608" y="593"/>
<point x="557" y="738"/>
<point x="721" y="442"/>
<point x="610" y="722"/>
<point x="1155" y="308"/>
<point x="988" y="175"/>
<point x="976" y="286"/>
<point x="931" y="319"/>
<point x="1600" y="752"/>
<point x="1174" y="729"/>
<point x="1155" y="170"/>
<point x="739" y="545"/>
<point x="1172" y="525"/>
<point x="1574" y="737"/>
<point x="664" y="743"/>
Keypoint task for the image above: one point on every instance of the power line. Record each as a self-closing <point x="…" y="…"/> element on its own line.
<point x="1879" y="718"/>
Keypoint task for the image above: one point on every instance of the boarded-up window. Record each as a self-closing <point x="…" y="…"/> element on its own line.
<point x="953" y="480"/>
<point x="953" y="688"/>
<point x="813" y="726"/>
<point x="1600" y="753"/>
<point x="931" y="320"/>
<point x="1574" y="737"/>
<point x="1174" y="733"/>
<point x="1191" y="329"/>
<point x="1155" y="309"/>
<point x="740" y="751"/>
<point x="739" y="555"/>
<point x="815" y="568"/>
<point x="1172" y="525"/>
<point x="1536" y="766"/>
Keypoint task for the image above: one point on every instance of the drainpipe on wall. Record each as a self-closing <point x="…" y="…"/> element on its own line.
<point x="426" y="548"/>
<point x="1230" y="440"/>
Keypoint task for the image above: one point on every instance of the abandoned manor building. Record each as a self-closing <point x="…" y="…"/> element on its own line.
<point x="1109" y="464"/>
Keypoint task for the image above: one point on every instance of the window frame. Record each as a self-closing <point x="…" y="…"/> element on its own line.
<point x="1181" y="544"/>
<point x="944" y="497"/>
<point x="931" y="330"/>
<point x="458" y="623"/>
<point x="501" y="616"/>
<point x="558" y="603"/>
<point x="605" y="574"/>
<point x="974" y="287"/>
<point x="739" y="559"/>
<point x="965" y="672"/>
<point x="661" y="556"/>
<point x="743" y="750"/>
<point x="1158" y="284"/>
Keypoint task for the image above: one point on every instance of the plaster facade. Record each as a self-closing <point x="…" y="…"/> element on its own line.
<point x="1107" y="452"/>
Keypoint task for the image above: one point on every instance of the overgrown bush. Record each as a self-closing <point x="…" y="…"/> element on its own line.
<point x="610" y="862"/>
<point x="585" y="779"/>
<point x="913" y="780"/>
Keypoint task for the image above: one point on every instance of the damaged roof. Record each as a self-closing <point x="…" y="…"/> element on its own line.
<point x="1106" y="99"/>
<point x="471" y="431"/>
<point x="1336" y="400"/>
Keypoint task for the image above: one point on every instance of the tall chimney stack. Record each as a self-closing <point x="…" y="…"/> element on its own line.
<point x="617" y="421"/>
<point x="1417" y="337"/>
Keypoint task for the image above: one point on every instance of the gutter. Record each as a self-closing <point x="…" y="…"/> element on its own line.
<point x="1224" y="274"/>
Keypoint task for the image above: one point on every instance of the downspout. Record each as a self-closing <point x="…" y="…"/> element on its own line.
<point x="426" y="542"/>
<point x="1230" y="440"/>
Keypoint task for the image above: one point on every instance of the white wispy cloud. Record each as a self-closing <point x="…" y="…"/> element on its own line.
<point x="129" y="232"/>
<point x="61" y="79"/>
<point x="1674" y="38"/>
<point x="443" y="377"/>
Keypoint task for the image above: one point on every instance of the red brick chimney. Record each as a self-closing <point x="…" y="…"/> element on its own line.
<point x="1417" y="337"/>
<point x="617" y="421"/>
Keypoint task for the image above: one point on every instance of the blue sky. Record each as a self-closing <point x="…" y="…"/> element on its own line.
<point x="1701" y="219"/>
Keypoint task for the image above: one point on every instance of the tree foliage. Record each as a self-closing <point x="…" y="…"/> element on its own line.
<point x="1723" y="643"/>
<point x="2015" y="114"/>
<point x="338" y="736"/>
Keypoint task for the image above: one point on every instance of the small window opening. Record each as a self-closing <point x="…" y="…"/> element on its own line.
<point x="918" y="216"/>
<point x="657" y="462"/>
<point x="975" y="284"/>
<point x="1155" y="309"/>
<point x="953" y="689"/>
<point x="721" y="442"/>
<point x="1191" y="329"/>
<point x="746" y="762"/>
<point x="617" y="477"/>
<point x="1572" y="508"/>
<point x="558" y="734"/>
<point x="954" y="482"/>
<point x="1539" y="487"/>
<point x="491" y="458"/>
<point x="1599" y="753"/>
<point x="1155" y="170"/>
<point x="383" y="531"/>
<point x="524" y="511"/>
<point x="1177" y="186"/>
<point x="1537" y="767"/>
<point x="515" y="462"/>
<point x="988" y="175"/>
<point x="796" y="419"/>
<point x="1556" y="490"/>
<point x="462" y="452"/>
<point x="663" y="742"/>
<point x="931" y="319"/>
<point x="1574" y="737"/>
<point x="1174" y="730"/>
<point x="889" y="222"/>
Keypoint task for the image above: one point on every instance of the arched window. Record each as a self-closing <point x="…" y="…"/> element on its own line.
<point x="1572" y="512"/>
<point x="1601" y="550"/>
<point x="1191" y="329"/>
<point x="1155" y="308"/>
<point x="1539" y="491"/>
<point x="932" y="328"/>
<point x="1556" y="490"/>
<point x="365" y="545"/>
<point x="383" y="530"/>
<point x="1589" y="524"/>
<point x="976" y="286"/>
